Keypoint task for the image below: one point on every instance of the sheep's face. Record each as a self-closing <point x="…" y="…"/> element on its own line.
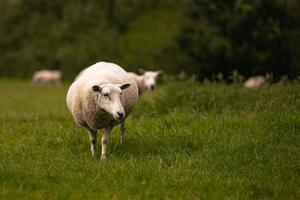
<point x="109" y="99"/>
<point x="149" y="78"/>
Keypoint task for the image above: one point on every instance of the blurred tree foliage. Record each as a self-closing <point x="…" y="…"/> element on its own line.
<point x="197" y="36"/>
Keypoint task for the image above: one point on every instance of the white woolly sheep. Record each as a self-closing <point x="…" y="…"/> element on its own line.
<point x="46" y="77"/>
<point x="102" y="97"/>
<point x="145" y="81"/>
<point x="79" y="74"/>
<point x="254" y="82"/>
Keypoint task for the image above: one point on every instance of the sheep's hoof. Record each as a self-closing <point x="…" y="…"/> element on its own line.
<point x="103" y="157"/>
<point x="94" y="156"/>
<point x="122" y="139"/>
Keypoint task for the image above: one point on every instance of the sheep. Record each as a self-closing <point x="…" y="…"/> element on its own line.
<point x="79" y="74"/>
<point x="46" y="77"/>
<point x="102" y="97"/>
<point x="145" y="81"/>
<point x="254" y="82"/>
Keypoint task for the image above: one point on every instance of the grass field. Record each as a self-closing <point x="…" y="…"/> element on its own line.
<point x="184" y="141"/>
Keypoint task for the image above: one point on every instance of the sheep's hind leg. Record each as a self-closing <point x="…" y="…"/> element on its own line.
<point x="104" y="142"/>
<point x="122" y="131"/>
<point x="93" y="140"/>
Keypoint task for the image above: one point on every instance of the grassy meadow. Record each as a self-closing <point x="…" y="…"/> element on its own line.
<point x="184" y="140"/>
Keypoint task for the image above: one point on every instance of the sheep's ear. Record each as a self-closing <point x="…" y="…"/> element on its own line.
<point x="96" y="88"/>
<point x="159" y="72"/>
<point x="142" y="71"/>
<point x="124" y="86"/>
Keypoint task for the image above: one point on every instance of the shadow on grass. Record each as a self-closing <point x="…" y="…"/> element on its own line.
<point x="164" y="147"/>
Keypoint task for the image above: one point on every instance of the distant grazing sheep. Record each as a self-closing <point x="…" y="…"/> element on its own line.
<point x="255" y="82"/>
<point x="145" y="81"/>
<point x="46" y="77"/>
<point x="102" y="97"/>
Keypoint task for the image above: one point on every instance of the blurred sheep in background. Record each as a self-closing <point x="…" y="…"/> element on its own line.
<point x="46" y="77"/>
<point x="254" y="82"/>
<point x="146" y="80"/>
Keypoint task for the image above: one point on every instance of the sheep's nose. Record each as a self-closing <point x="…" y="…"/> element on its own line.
<point x="120" y="115"/>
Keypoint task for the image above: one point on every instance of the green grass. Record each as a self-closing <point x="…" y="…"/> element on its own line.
<point x="184" y="141"/>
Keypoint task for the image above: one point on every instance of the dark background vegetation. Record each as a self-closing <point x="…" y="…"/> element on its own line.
<point x="196" y="36"/>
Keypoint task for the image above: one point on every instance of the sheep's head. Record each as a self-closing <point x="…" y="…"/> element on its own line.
<point x="109" y="99"/>
<point x="57" y="74"/>
<point x="149" y="78"/>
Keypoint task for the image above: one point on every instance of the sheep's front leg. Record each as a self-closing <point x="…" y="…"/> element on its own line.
<point x="104" y="142"/>
<point x="122" y="131"/>
<point x="93" y="140"/>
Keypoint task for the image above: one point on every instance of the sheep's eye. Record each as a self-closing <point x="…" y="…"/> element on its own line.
<point x="106" y="95"/>
<point x="121" y="93"/>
